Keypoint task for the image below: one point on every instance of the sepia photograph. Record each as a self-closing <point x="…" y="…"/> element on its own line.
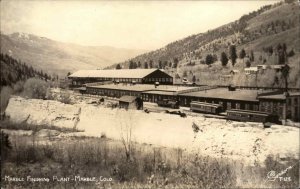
<point x="144" y="94"/>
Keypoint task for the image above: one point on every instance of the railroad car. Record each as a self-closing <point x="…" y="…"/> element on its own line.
<point x="168" y="103"/>
<point x="206" y="107"/>
<point x="251" y="116"/>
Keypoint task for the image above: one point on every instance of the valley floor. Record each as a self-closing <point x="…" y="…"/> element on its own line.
<point x="216" y="137"/>
<point x="49" y="138"/>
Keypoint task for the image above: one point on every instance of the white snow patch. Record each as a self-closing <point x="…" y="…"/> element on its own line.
<point x="236" y="140"/>
<point x="42" y="112"/>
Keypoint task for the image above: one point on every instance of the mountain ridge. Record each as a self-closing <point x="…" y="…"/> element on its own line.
<point x="60" y="57"/>
<point x="240" y="31"/>
<point x="259" y="34"/>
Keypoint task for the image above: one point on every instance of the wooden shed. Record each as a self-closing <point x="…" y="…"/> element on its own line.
<point x="131" y="102"/>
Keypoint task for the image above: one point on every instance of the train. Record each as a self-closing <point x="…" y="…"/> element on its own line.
<point x="168" y="103"/>
<point x="234" y="114"/>
<point x="204" y="107"/>
<point x="251" y="116"/>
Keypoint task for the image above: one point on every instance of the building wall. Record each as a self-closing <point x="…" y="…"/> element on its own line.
<point x="156" y="76"/>
<point x="272" y="106"/>
<point x="81" y="81"/>
<point x="277" y="107"/>
<point x="148" y="80"/>
<point x="293" y="108"/>
<point x="226" y="104"/>
<point x="111" y="92"/>
<point x="156" y="97"/>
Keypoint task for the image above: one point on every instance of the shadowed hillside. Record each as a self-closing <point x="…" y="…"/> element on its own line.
<point x="58" y="57"/>
<point x="13" y="71"/>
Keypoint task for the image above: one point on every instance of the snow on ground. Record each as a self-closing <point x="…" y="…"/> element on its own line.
<point x="216" y="137"/>
<point x="42" y="112"/>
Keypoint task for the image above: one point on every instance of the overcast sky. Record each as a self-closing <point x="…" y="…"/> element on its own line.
<point x="128" y="24"/>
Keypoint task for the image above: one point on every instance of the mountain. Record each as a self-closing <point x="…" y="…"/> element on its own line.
<point x="13" y="71"/>
<point x="259" y="33"/>
<point x="60" y="58"/>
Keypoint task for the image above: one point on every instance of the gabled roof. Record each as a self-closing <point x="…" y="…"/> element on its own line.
<point x="122" y="73"/>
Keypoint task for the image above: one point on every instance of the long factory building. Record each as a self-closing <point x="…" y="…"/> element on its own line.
<point x="143" y="85"/>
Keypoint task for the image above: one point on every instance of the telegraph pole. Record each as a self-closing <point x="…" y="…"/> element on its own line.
<point x="285" y="74"/>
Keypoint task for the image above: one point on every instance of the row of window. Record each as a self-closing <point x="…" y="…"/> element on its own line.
<point x="158" y="79"/>
<point x="139" y="80"/>
<point x="128" y="80"/>
<point x="108" y="92"/>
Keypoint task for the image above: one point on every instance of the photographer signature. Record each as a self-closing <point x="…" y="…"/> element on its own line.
<point x="272" y="176"/>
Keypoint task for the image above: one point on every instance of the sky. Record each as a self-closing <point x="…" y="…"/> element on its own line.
<point x="125" y="24"/>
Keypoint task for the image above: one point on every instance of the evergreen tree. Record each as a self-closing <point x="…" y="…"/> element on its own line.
<point x="146" y="65"/>
<point x="175" y="62"/>
<point x="251" y="56"/>
<point x="247" y="62"/>
<point x="194" y="79"/>
<point x="291" y="53"/>
<point x="233" y="55"/>
<point x="131" y="64"/>
<point x="270" y="50"/>
<point x="134" y="65"/>
<point x="242" y="54"/>
<point x="118" y="67"/>
<point x="281" y="50"/>
<point x="151" y="64"/>
<point x="224" y="59"/>
<point x="209" y="59"/>
<point x="160" y="64"/>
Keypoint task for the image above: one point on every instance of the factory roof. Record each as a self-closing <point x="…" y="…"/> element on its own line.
<point x="224" y="93"/>
<point x="279" y="96"/>
<point x="142" y="87"/>
<point x="121" y="73"/>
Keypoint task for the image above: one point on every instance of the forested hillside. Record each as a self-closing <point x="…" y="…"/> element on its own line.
<point x="13" y="70"/>
<point x="265" y="36"/>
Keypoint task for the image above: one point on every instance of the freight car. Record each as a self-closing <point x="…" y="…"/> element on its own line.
<point x="168" y="103"/>
<point x="251" y="116"/>
<point x="205" y="107"/>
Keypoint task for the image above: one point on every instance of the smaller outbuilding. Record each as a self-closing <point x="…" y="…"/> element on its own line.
<point x="131" y="102"/>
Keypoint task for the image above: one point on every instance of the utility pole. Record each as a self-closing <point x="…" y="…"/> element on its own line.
<point x="285" y="73"/>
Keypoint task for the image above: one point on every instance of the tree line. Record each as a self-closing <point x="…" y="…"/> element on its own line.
<point x="160" y="64"/>
<point x="13" y="70"/>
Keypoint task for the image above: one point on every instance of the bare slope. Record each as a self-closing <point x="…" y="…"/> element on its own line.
<point x="58" y="57"/>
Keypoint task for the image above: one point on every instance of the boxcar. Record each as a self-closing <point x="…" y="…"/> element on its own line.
<point x="205" y="107"/>
<point x="168" y="103"/>
<point x="251" y="116"/>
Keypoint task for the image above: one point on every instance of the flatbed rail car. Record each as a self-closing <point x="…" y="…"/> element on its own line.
<point x="251" y="116"/>
<point x="168" y="103"/>
<point x="204" y="107"/>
